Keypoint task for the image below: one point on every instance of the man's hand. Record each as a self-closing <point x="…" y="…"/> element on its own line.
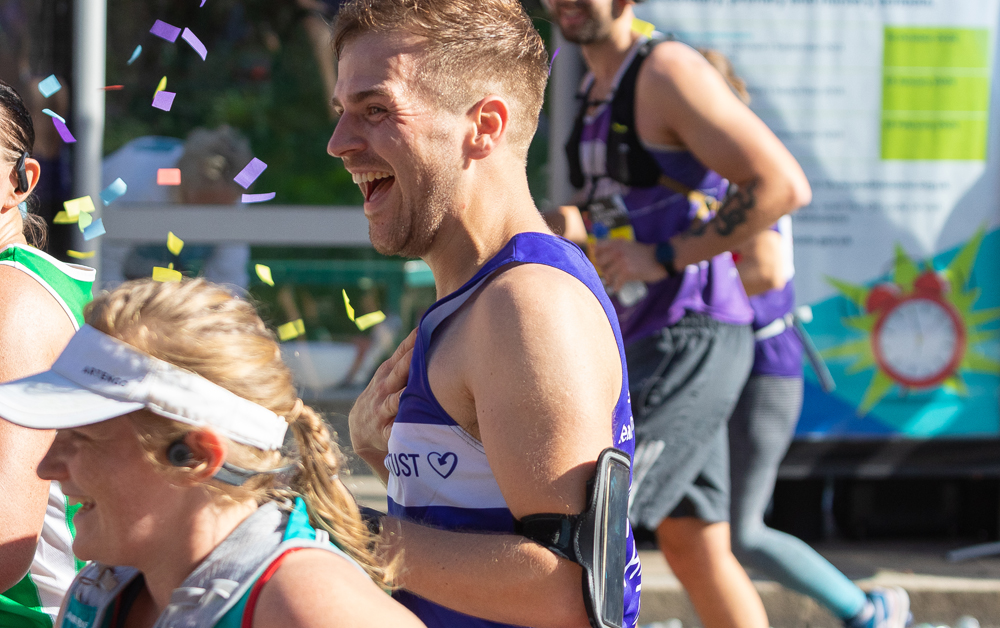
<point x="375" y="410"/>
<point x="622" y="261"/>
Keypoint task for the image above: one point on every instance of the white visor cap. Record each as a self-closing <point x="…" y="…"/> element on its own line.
<point x="98" y="377"/>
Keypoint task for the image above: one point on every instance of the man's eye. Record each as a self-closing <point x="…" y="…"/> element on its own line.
<point x="373" y="110"/>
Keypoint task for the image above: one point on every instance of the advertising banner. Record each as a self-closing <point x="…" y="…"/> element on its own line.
<point x="887" y="105"/>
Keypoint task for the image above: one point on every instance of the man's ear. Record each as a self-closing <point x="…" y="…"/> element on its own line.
<point x="490" y="117"/>
<point x="17" y="196"/>
<point x="209" y="451"/>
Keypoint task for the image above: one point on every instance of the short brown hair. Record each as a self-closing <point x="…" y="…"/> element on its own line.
<point x="474" y="47"/>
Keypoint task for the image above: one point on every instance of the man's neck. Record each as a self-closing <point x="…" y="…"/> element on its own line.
<point x="604" y="57"/>
<point x="495" y="211"/>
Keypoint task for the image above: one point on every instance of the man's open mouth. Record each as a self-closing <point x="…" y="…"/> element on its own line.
<point x="372" y="182"/>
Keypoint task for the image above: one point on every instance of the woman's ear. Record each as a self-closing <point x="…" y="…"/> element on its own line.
<point x="208" y="452"/>
<point x="17" y="195"/>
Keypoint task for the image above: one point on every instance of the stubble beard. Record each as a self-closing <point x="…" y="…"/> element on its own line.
<point x="591" y="32"/>
<point x="417" y="223"/>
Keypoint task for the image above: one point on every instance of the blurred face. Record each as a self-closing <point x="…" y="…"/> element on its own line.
<point x="402" y="149"/>
<point x="125" y="501"/>
<point x="584" y="21"/>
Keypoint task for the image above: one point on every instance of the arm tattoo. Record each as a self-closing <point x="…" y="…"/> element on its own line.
<point x="731" y="215"/>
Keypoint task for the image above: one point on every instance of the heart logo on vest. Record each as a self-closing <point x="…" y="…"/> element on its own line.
<point x="443" y="464"/>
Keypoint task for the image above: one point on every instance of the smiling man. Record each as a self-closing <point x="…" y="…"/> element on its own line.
<point x="499" y="404"/>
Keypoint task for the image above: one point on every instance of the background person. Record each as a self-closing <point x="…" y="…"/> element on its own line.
<point x="208" y="159"/>
<point x="500" y="403"/>
<point x="41" y="306"/>
<point x="760" y="432"/>
<point x="683" y="137"/>
<point x="173" y="405"/>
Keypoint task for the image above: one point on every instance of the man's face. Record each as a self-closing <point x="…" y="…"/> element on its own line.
<point x="402" y="149"/>
<point x="583" y="21"/>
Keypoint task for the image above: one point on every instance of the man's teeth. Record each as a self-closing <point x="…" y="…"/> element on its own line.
<point x="364" y="177"/>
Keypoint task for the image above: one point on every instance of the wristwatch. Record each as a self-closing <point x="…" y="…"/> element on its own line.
<point x="665" y="257"/>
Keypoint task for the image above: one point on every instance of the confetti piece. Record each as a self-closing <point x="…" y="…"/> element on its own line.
<point x="642" y="27"/>
<point x="23" y="208"/>
<point x="347" y="305"/>
<point x="112" y="88"/>
<point x="62" y="218"/>
<point x="81" y="254"/>
<point x="96" y="230"/>
<point x="75" y="207"/>
<point x="264" y="272"/>
<point x="49" y="85"/>
<point x="554" y="55"/>
<point x="195" y="43"/>
<point x="63" y="131"/>
<point x="369" y="320"/>
<point x="174" y="244"/>
<point x="168" y="176"/>
<point x="162" y="85"/>
<point x="202" y="4"/>
<point x="83" y="221"/>
<point x="53" y="114"/>
<point x="291" y="330"/>
<point x="258" y="198"/>
<point x="164" y="100"/>
<point x="166" y="274"/>
<point x="135" y="55"/>
<point x="249" y="174"/>
<point x="111" y="193"/>
<point x="165" y="31"/>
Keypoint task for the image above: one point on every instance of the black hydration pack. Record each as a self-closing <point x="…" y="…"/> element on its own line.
<point x="627" y="162"/>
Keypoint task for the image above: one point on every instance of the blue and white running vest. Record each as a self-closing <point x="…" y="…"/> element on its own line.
<point x="439" y="475"/>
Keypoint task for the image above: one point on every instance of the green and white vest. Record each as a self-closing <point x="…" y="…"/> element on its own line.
<point x="34" y="601"/>
<point x="215" y="595"/>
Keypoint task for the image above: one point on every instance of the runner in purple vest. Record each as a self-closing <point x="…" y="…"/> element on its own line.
<point x="499" y="406"/>
<point x="661" y="168"/>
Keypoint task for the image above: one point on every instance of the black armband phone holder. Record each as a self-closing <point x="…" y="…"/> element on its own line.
<point x="594" y="539"/>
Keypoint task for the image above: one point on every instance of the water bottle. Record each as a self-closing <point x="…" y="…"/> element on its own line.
<point x="633" y="291"/>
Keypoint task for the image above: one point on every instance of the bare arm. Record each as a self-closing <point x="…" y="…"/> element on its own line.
<point x="542" y="369"/>
<point x="33" y="331"/>
<point x="316" y="589"/>
<point x="689" y="103"/>
<point x="760" y="263"/>
<point x="567" y="221"/>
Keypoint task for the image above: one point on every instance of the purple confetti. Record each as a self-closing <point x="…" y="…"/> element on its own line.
<point x="165" y="31"/>
<point x="202" y="4"/>
<point x="94" y="230"/>
<point x="554" y="55"/>
<point x="164" y="100"/>
<point x="195" y="43"/>
<point x="248" y="175"/>
<point x="63" y="131"/>
<point x="258" y="198"/>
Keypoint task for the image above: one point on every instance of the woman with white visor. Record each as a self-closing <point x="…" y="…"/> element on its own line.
<point x="172" y="406"/>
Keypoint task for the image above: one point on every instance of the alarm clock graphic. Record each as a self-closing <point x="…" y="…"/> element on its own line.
<point x="918" y="338"/>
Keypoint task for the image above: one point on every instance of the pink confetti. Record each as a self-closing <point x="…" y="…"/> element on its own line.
<point x="258" y="198"/>
<point x="249" y="174"/>
<point x="195" y="43"/>
<point x="63" y="131"/>
<point x="164" y="100"/>
<point x="165" y="31"/>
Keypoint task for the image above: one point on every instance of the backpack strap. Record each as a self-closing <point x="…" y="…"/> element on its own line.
<point x="251" y="607"/>
<point x="572" y="147"/>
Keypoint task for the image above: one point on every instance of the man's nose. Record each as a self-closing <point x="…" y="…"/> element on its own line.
<point x="345" y="139"/>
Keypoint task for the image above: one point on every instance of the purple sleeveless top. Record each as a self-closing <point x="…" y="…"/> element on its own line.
<point x="712" y="287"/>
<point x="439" y="475"/>
<point x="779" y="355"/>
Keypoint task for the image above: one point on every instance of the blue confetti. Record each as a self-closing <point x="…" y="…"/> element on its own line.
<point x="23" y="208"/>
<point x="113" y="191"/>
<point x="94" y="230"/>
<point x="135" y="55"/>
<point x="53" y="114"/>
<point x="49" y="86"/>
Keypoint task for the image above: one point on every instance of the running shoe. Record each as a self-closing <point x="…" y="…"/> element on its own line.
<point x="888" y="607"/>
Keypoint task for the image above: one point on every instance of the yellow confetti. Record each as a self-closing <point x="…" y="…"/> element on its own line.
<point x="162" y="86"/>
<point x="347" y="304"/>
<point x="264" y="272"/>
<point x="81" y="254"/>
<point x="165" y="274"/>
<point x="62" y="218"/>
<point x="84" y="221"/>
<point x="170" y="265"/>
<point x="369" y="320"/>
<point x="642" y="27"/>
<point x="291" y="330"/>
<point x="174" y="244"/>
<point x="77" y="206"/>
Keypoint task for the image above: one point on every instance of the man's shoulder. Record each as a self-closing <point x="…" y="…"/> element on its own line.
<point x="536" y="290"/>
<point x="671" y="62"/>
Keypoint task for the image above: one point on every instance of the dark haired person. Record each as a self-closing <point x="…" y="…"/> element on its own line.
<point x="41" y="305"/>
<point x="500" y="404"/>
<point x="658" y="140"/>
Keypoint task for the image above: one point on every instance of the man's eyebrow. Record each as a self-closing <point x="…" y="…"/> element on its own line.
<point x="361" y="96"/>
